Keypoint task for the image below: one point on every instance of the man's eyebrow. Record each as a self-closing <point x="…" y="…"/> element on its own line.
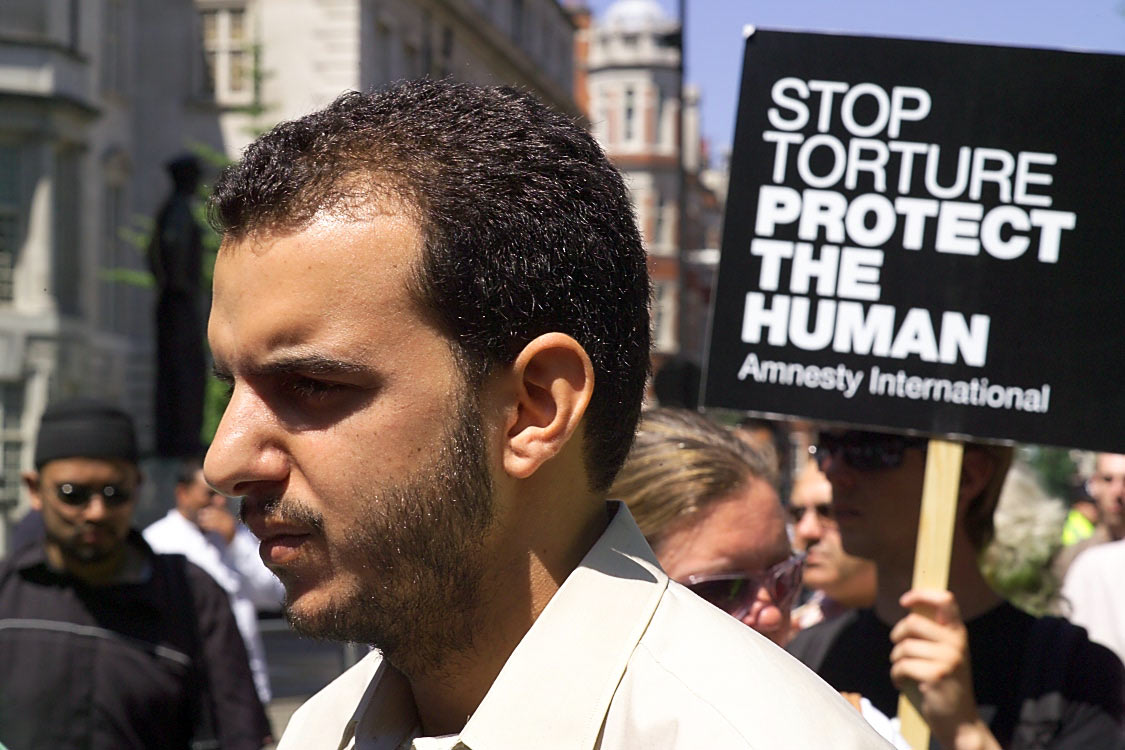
<point x="305" y="364"/>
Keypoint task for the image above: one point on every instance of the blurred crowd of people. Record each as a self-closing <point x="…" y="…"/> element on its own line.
<point x="983" y="668"/>
<point x="823" y="570"/>
<point x="706" y="497"/>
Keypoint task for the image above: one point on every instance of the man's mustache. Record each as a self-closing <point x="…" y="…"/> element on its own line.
<point x="284" y="510"/>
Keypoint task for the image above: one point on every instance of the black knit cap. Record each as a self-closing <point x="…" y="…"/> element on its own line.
<point x="83" y="427"/>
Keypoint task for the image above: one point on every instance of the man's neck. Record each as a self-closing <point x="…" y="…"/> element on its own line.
<point x="124" y="564"/>
<point x="518" y="589"/>
<point x="855" y="586"/>
<point x="973" y="594"/>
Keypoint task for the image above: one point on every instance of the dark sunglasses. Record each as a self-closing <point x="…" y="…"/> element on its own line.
<point x="865" y="451"/>
<point x="823" y="511"/>
<point x="734" y="593"/>
<point x="75" y="494"/>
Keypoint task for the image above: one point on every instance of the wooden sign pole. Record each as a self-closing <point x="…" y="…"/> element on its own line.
<point x="932" y="556"/>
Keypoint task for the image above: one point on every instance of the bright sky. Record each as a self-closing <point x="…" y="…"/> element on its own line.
<point x="714" y="33"/>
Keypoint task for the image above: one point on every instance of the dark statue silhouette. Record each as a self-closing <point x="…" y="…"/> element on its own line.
<point x="175" y="256"/>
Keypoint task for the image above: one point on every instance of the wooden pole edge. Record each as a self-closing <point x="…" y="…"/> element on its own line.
<point x="933" y="553"/>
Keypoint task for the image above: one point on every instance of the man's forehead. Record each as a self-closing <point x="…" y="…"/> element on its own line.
<point x="79" y="466"/>
<point x="1109" y="463"/>
<point x="278" y="291"/>
<point x="358" y="209"/>
<point x="811" y="494"/>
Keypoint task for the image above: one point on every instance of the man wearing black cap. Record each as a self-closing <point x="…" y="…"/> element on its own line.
<point x="104" y="644"/>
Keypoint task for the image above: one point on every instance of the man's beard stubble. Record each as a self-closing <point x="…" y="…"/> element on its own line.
<point x="419" y="545"/>
<point x="85" y="554"/>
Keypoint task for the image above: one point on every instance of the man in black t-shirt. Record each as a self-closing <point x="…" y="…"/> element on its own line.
<point x="984" y="674"/>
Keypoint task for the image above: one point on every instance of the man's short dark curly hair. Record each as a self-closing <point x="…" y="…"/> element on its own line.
<point x="526" y="227"/>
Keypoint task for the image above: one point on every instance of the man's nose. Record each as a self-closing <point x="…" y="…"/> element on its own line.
<point x="96" y="508"/>
<point x="764" y="614"/>
<point x="809" y="528"/>
<point x="248" y="447"/>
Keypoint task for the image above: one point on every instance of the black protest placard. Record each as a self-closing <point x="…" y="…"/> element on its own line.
<point x="926" y="236"/>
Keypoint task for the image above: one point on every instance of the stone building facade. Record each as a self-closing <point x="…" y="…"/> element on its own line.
<point x="96" y="96"/>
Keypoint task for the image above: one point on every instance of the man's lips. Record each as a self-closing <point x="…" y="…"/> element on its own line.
<point x="280" y="549"/>
<point x="813" y="557"/>
<point x="280" y="541"/>
<point x="93" y="535"/>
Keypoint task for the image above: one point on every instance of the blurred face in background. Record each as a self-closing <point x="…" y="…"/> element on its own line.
<point x="845" y="578"/>
<point x="196" y="495"/>
<point x="735" y="553"/>
<point x="87" y="506"/>
<point x="1107" y="487"/>
<point x="876" y="492"/>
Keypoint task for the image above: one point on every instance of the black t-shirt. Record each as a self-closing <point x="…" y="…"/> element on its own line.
<point x="1038" y="683"/>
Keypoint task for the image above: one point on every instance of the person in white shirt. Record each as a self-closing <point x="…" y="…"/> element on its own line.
<point x="1093" y="594"/>
<point x="203" y="529"/>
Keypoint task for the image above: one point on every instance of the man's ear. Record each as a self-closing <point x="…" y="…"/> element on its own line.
<point x="553" y="382"/>
<point x="31" y="481"/>
<point x="977" y="468"/>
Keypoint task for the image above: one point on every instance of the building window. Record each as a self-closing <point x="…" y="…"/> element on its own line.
<point x="630" y="113"/>
<point x="10" y="193"/>
<point x="111" y="294"/>
<point x="74" y="25"/>
<point x="11" y="442"/>
<point x="664" y="316"/>
<point x="446" y="51"/>
<point x="67" y="267"/>
<point x="228" y="56"/>
<point x="517" y="21"/>
<point x="383" y="50"/>
<point x="427" y="44"/>
<point x="114" y="65"/>
<point x="410" y="60"/>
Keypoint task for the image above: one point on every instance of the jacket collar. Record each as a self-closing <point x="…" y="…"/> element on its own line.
<point x="556" y="688"/>
<point x="554" y="691"/>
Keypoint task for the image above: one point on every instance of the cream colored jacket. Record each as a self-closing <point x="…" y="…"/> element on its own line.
<point x="620" y="659"/>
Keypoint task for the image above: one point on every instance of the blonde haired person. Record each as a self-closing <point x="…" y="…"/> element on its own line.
<point x="707" y="504"/>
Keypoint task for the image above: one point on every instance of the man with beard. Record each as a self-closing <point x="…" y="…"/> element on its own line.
<point x="431" y="305"/>
<point x="104" y="644"/>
